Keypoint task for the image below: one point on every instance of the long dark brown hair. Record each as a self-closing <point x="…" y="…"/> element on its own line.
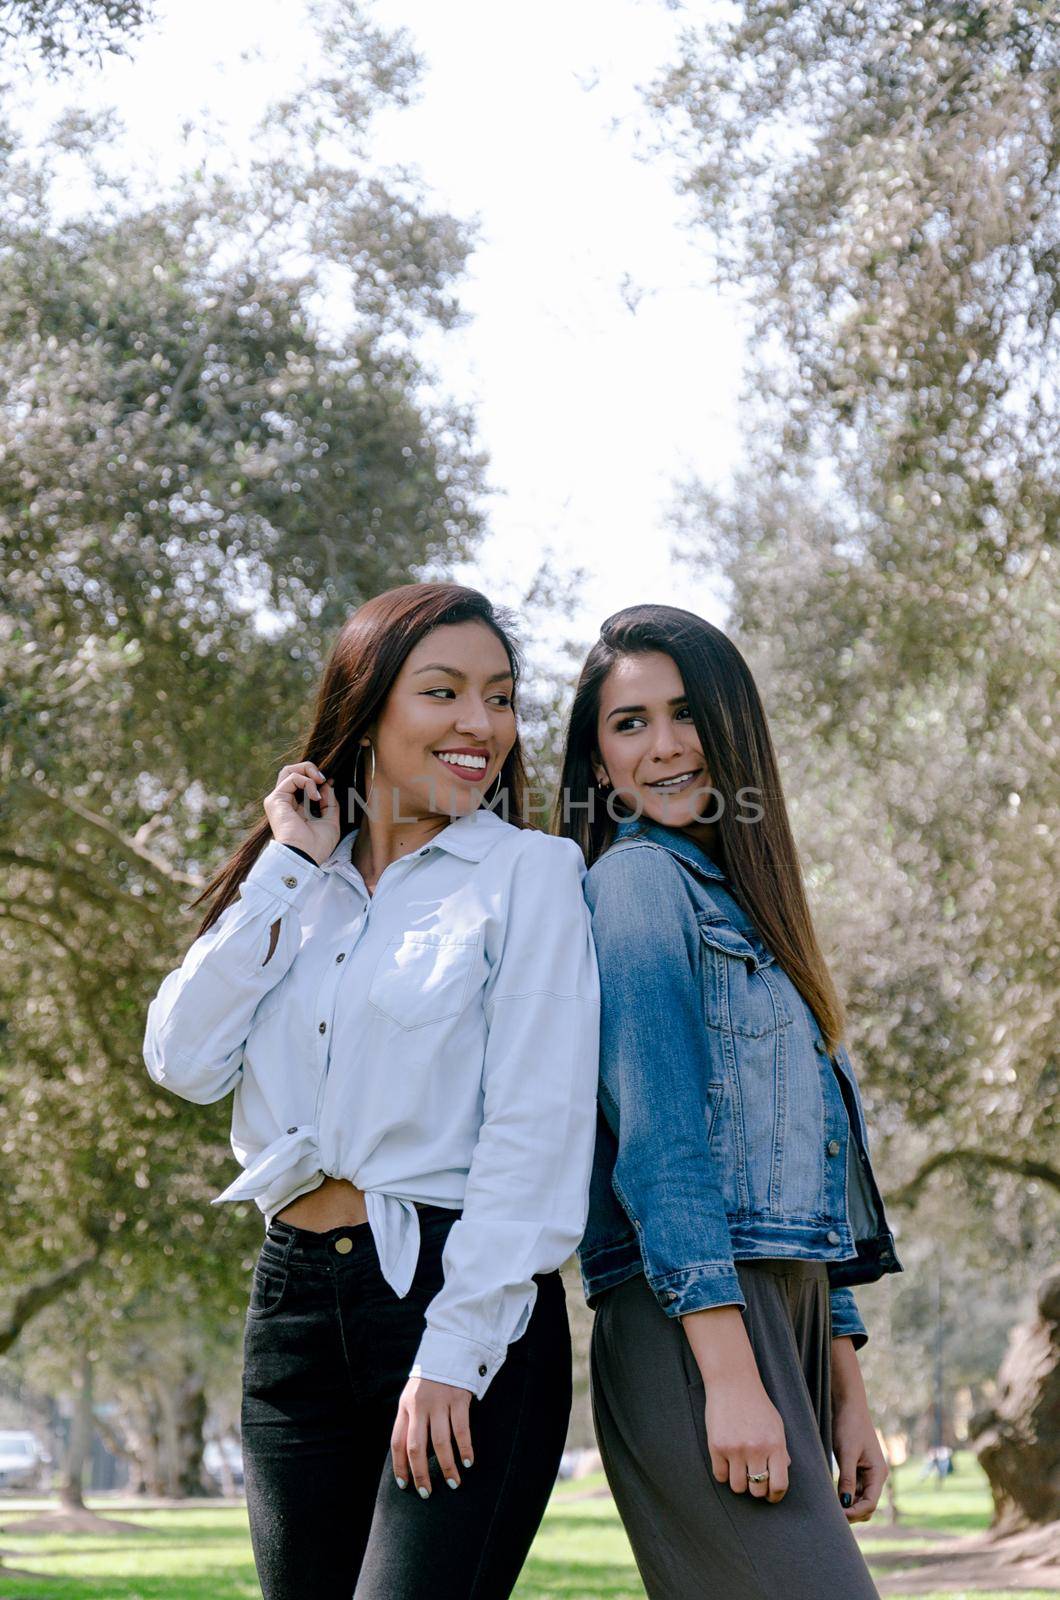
<point x="357" y="678"/>
<point x="759" y="858"/>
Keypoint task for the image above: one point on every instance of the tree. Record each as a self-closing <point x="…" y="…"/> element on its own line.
<point x="63" y="31"/>
<point x="199" y="478"/>
<point x="881" y="183"/>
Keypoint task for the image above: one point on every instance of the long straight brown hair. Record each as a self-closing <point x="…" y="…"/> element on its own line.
<point x="357" y="678"/>
<point x="759" y="858"/>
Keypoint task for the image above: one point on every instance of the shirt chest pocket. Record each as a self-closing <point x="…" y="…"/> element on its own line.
<point x="742" y="985"/>
<point x="424" y="978"/>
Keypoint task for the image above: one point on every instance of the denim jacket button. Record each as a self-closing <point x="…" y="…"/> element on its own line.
<point x="669" y="1297"/>
<point x="482" y="1371"/>
<point x="832" y="1237"/>
<point x="820" y="1046"/>
<point x="834" y="1147"/>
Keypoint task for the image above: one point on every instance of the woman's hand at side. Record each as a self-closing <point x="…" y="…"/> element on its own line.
<point x="745" y="1431"/>
<point x="431" y="1414"/>
<point x="289" y="816"/>
<point x="863" y="1468"/>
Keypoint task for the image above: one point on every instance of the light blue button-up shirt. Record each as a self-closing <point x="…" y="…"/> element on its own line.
<point x="436" y="1041"/>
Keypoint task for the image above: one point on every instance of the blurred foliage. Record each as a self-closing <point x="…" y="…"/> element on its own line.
<point x="201" y="474"/>
<point x="63" y="31"/>
<point x="882" y="182"/>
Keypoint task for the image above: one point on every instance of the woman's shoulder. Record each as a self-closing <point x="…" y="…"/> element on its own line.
<point x="633" y="860"/>
<point x="530" y="851"/>
<point x="632" y="877"/>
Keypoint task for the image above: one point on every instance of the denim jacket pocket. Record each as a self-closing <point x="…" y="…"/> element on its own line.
<point x="423" y="978"/>
<point x="743" y="988"/>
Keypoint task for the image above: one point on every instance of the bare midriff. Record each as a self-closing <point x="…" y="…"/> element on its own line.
<point x="335" y="1203"/>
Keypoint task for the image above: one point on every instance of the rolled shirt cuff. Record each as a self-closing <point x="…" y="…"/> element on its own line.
<point x="303" y="853"/>
<point x="846" y="1318"/>
<point x="283" y="874"/>
<point x="700" y="1288"/>
<point x="449" y="1358"/>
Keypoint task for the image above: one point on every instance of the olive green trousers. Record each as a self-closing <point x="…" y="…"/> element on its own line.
<point x="693" y="1537"/>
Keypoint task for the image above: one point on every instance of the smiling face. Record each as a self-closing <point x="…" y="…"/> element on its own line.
<point x="447" y="725"/>
<point x="647" y="746"/>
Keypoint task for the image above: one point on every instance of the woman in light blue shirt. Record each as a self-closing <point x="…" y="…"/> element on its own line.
<point x="399" y="987"/>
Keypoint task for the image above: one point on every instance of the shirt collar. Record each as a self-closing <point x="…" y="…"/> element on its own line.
<point x="672" y="839"/>
<point x="471" y="836"/>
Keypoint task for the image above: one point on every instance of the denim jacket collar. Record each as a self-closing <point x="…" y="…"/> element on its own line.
<point x="672" y="839"/>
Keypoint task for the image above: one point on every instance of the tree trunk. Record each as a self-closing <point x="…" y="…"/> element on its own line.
<point x="1018" y="1441"/>
<point x="143" y="1427"/>
<point x="185" y="1415"/>
<point x="71" y="1489"/>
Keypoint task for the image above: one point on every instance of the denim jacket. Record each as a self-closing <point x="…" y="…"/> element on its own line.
<point x="725" y="1130"/>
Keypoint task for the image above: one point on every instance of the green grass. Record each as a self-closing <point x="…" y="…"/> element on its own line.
<point x="581" y="1552"/>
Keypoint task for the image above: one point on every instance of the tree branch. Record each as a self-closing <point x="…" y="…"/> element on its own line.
<point x="155" y="863"/>
<point x="79" y="883"/>
<point x="43" y="1293"/>
<point x="909" y="1193"/>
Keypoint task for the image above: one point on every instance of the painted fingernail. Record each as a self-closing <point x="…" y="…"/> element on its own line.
<point x="424" y="1494"/>
<point x="452" y="1483"/>
<point x="467" y="1463"/>
<point x="400" y="1482"/>
<point x="846" y="1499"/>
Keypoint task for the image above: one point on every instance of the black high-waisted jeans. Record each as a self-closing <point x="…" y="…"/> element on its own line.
<point x="327" y="1351"/>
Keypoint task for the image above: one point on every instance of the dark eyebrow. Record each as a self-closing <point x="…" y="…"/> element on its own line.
<point x="678" y="699"/>
<point x="454" y="672"/>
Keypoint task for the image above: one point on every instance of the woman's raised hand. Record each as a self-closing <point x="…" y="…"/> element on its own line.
<point x="287" y="809"/>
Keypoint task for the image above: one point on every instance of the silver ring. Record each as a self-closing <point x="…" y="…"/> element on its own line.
<point x="757" y="1477"/>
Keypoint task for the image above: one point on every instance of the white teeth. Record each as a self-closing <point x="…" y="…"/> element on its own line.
<point x="670" y="783"/>
<point x="478" y="763"/>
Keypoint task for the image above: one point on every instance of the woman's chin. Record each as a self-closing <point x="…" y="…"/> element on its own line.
<point x="675" y="811"/>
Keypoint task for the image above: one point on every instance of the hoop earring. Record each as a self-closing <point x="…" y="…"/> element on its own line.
<point x="497" y="788"/>
<point x="368" y="794"/>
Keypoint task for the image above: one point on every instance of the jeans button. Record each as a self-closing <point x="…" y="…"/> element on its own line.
<point x="344" y="1245"/>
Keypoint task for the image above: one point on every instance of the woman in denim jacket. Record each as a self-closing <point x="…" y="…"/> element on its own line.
<point x="733" y="1203"/>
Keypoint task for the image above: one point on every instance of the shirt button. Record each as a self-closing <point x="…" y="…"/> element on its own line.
<point x="323" y="1027"/>
<point x="832" y="1237"/>
<point x="820" y="1046"/>
<point x="293" y="1130"/>
<point x="834" y="1147"/>
<point x="482" y="1371"/>
<point x="344" y="1246"/>
<point x="341" y="957"/>
<point x="291" y="883"/>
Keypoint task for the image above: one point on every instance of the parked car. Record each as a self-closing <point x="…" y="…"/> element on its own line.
<point x="24" y="1462"/>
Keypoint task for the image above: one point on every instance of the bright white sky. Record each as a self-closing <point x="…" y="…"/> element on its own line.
<point x="601" y="364"/>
